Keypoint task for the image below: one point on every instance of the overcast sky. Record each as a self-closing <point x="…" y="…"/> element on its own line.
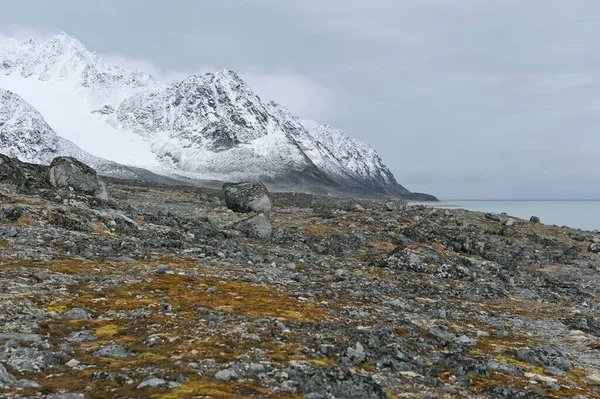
<point x="461" y="98"/>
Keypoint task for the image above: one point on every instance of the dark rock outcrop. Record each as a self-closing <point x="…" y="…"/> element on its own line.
<point x="10" y="172"/>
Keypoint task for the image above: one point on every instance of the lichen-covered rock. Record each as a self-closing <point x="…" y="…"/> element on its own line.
<point x="247" y="197"/>
<point x="68" y="172"/>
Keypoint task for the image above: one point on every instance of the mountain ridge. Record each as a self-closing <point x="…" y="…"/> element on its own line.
<point x="208" y="126"/>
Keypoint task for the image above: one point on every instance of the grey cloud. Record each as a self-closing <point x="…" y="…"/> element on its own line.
<point x="461" y="98"/>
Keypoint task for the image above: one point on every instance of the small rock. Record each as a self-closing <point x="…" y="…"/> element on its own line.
<point x="73" y="363"/>
<point x="81" y="336"/>
<point x="153" y="382"/>
<point x="153" y="340"/>
<point x="163" y="269"/>
<point x="226" y="375"/>
<point x="127" y="260"/>
<point x="357" y="354"/>
<point x="257" y="226"/>
<point x="534" y="219"/>
<point x="594" y="248"/>
<point x="358" y="208"/>
<point x="291" y="266"/>
<point x="78" y="314"/>
<point x="102" y="375"/>
<point x="114" y="351"/>
<point x="212" y="290"/>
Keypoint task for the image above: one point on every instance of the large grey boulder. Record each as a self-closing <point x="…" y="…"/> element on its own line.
<point x="257" y="226"/>
<point x="397" y="205"/>
<point x="68" y="172"/>
<point x="247" y="197"/>
<point x="10" y="172"/>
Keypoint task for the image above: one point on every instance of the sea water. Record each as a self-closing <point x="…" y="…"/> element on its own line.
<point x="578" y="214"/>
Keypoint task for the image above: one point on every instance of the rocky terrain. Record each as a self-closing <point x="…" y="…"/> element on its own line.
<point x="135" y="290"/>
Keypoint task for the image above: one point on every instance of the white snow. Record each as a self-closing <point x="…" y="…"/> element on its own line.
<point x="209" y="126"/>
<point x="70" y="117"/>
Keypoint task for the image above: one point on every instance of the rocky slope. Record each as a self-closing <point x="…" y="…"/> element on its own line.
<point x="208" y="126"/>
<point x="155" y="293"/>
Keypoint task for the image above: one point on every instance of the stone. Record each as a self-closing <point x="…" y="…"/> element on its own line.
<point x="357" y="208"/>
<point x="492" y="216"/>
<point x="163" y="269"/>
<point x="25" y="384"/>
<point x="226" y="375"/>
<point x="127" y="259"/>
<point x="81" y="336"/>
<point x="73" y="363"/>
<point x="463" y="340"/>
<point x="6" y="377"/>
<point x="78" y="314"/>
<point x="247" y="197"/>
<point x="396" y="205"/>
<point x="356" y="354"/>
<point x="594" y="248"/>
<point x="68" y="172"/>
<point x="102" y="375"/>
<point x="114" y="351"/>
<point x="534" y="219"/>
<point x="257" y="226"/>
<point x="510" y="222"/>
<point x="32" y="360"/>
<point x="546" y="356"/>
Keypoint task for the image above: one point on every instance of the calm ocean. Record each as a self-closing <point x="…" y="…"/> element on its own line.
<point x="579" y="214"/>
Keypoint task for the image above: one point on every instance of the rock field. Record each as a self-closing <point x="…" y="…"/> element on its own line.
<point x="163" y="292"/>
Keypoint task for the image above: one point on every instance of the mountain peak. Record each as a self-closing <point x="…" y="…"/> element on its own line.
<point x="208" y="126"/>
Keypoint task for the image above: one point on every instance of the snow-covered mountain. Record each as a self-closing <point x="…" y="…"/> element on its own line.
<point x="208" y="126"/>
<point x="25" y="135"/>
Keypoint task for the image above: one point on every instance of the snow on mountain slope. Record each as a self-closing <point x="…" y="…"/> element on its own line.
<point x="65" y="82"/>
<point x="208" y="126"/>
<point x="64" y="58"/>
<point x="335" y="153"/>
<point x="24" y="134"/>
<point x="211" y="125"/>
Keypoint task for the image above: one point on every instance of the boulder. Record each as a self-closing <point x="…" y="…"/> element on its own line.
<point x="257" y="226"/>
<point x="10" y="172"/>
<point x="534" y="219"/>
<point x="68" y="172"/>
<point x="594" y="248"/>
<point x="247" y="197"/>
<point x="396" y="205"/>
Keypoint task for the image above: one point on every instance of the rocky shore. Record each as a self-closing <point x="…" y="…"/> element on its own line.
<point x="123" y="289"/>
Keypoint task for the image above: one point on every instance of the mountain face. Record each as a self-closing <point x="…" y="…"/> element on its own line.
<point x="24" y="134"/>
<point x="208" y="126"/>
